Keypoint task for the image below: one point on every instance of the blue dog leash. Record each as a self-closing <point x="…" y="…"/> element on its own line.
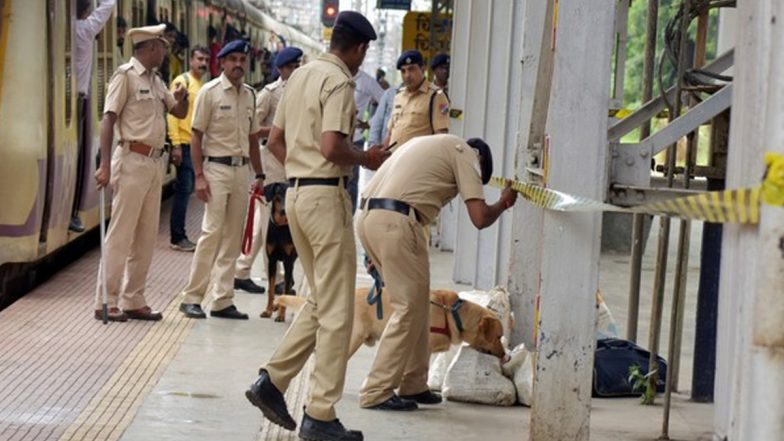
<point x="374" y="293"/>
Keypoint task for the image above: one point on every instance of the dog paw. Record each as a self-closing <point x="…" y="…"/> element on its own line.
<point x="280" y="319"/>
<point x="266" y="314"/>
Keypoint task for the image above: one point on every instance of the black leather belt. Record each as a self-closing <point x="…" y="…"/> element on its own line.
<point x="233" y="161"/>
<point x="304" y="182"/>
<point x="389" y="204"/>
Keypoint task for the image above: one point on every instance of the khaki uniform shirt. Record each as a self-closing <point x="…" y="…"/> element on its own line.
<point x="140" y="100"/>
<point x="226" y="117"/>
<point x="266" y="104"/>
<point x="410" y="115"/>
<point x="180" y="129"/>
<point x="428" y="173"/>
<point x="319" y="97"/>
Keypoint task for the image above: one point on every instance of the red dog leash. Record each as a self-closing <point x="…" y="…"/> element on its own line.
<point x="247" y="238"/>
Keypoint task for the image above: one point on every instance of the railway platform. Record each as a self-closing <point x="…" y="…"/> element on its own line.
<point x="65" y="376"/>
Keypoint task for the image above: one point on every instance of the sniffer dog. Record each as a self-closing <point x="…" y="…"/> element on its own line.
<point x="279" y="247"/>
<point x="481" y="328"/>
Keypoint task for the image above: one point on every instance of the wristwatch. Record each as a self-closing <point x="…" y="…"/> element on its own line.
<point x="261" y="176"/>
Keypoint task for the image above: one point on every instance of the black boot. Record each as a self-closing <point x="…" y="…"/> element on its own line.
<point x="426" y="397"/>
<point x="315" y="430"/>
<point x="248" y="285"/>
<point x="264" y="395"/>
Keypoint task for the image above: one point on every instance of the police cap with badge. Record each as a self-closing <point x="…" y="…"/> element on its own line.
<point x="145" y="33"/>
<point x="240" y="46"/>
<point x="410" y="57"/>
<point x="439" y="60"/>
<point x="287" y="56"/>
<point x="355" y="23"/>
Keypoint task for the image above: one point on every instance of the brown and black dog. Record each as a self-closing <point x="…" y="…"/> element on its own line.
<point x="481" y="327"/>
<point x="279" y="247"/>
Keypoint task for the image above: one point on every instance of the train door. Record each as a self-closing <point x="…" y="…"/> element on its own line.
<point x="61" y="133"/>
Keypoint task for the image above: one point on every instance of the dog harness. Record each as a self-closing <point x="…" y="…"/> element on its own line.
<point x="455" y="310"/>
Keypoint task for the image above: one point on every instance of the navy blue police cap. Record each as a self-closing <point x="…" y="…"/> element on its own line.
<point x="484" y="152"/>
<point x="240" y="46"/>
<point x="288" y="55"/>
<point x="410" y="57"/>
<point x="355" y="23"/>
<point x="438" y="60"/>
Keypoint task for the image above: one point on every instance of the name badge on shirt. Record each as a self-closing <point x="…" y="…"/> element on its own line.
<point x="144" y="90"/>
<point x="225" y="107"/>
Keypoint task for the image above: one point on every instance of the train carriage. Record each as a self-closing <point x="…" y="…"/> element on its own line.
<point x="38" y="115"/>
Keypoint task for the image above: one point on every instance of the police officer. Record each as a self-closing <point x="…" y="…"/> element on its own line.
<point x="224" y="130"/>
<point x="420" y="108"/>
<point x="406" y="192"/>
<point x="312" y="131"/>
<point x="287" y="61"/>
<point x="440" y="68"/>
<point x="136" y="101"/>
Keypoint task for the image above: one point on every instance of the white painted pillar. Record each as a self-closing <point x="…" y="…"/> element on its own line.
<point x="753" y="87"/>
<point x="525" y="255"/>
<point x="577" y="129"/>
<point x="753" y="293"/>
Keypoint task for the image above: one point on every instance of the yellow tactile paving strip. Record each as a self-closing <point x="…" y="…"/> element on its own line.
<point x="112" y="410"/>
<point x="59" y="366"/>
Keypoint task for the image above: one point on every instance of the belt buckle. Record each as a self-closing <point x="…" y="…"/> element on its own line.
<point x="236" y="161"/>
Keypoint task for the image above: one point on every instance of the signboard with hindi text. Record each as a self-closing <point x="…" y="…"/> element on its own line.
<point x="416" y="34"/>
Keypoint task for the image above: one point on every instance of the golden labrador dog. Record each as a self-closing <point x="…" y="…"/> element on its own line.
<point x="481" y="327"/>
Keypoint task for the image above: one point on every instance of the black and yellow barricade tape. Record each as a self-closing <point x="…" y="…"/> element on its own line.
<point x="741" y="206"/>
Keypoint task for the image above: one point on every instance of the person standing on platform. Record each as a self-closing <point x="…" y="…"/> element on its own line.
<point x="88" y="25"/>
<point x="406" y="193"/>
<point x="180" y="136"/>
<point x="312" y="133"/>
<point x="367" y="92"/>
<point x="122" y="29"/>
<point x="379" y="123"/>
<point x="440" y="68"/>
<point x="136" y="100"/>
<point x="287" y="61"/>
<point x="225" y="135"/>
<point x="419" y="108"/>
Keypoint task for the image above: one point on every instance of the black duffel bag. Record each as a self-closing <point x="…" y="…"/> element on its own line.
<point x="611" y="366"/>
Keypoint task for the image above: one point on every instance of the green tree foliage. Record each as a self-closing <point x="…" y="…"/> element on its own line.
<point x="636" y="46"/>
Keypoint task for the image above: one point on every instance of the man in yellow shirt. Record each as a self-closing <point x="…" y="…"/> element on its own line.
<point x="180" y="135"/>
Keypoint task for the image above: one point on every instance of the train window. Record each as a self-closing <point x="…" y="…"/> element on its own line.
<point x="68" y="62"/>
<point x="105" y="64"/>
<point x="138" y="14"/>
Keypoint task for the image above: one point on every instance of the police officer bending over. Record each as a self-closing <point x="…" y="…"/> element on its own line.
<point x="137" y="101"/>
<point x="311" y="133"/>
<point x="225" y="134"/>
<point x="407" y="192"/>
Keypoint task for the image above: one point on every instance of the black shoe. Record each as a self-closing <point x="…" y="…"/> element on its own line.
<point x="426" y="397"/>
<point x="264" y="395"/>
<point x="192" y="310"/>
<point x="76" y="225"/>
<point x="396" y="403"/>
<point x="231" y="313"/>
<point x="248" y="285"/>
<point x="315" y="430"/>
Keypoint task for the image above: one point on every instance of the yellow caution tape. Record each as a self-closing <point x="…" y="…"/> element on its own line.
<point x="729" y="206"/>
<point x="773" y="185"/>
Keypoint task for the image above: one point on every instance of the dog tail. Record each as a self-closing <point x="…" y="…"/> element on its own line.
<point x="289" y="301"/>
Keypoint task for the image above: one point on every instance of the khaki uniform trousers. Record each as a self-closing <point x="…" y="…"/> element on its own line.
<point x="396" y="244"/>
<point x="220" y="242"/>
<point x="130" y="239"/>
<point x="321" y="227"/>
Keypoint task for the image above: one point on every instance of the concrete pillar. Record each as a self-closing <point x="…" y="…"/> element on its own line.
<point x="750" y="350"/>
<point x="577" y="164"/>
<point x="536" y="79"/>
